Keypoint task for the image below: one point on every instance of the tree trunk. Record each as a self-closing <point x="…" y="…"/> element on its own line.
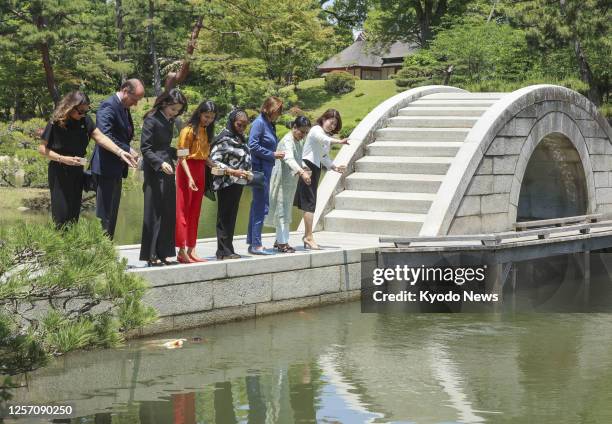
<point x="153" y="51"/>
<point x="424" y="11"/>
<point x="46" y="60"/>
<point x="585" y="73"/>
<point x="175" y="78"/>
<point x="120" y="33"/>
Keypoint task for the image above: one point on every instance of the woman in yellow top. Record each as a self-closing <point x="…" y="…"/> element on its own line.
<point x="192" y="151"/>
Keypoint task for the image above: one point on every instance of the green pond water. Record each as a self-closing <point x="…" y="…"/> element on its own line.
<point x="337" y="365"/>
<point x="129" y="220"/>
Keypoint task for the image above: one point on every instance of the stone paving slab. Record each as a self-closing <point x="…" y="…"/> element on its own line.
<point x="337" y="248"/>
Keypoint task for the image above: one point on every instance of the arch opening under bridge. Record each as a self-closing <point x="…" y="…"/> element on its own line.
<point x="554" y="184"/>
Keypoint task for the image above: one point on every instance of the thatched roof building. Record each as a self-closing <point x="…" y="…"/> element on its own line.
<point x="367" y="61"/>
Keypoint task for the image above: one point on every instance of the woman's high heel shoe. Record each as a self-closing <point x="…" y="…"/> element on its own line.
<point x="310" y="246"/>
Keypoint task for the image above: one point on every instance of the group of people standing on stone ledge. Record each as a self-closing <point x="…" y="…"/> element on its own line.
<point x="281" y="173"/>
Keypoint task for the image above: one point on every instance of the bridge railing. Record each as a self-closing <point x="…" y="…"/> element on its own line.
<point x="540" y="230"/>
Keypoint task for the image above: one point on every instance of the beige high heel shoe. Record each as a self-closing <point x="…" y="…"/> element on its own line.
<point x="309" y="246"/>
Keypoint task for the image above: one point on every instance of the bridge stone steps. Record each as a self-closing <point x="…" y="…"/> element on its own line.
<point x="386" y="223"/>
<point x="394" y="185"/>
<point x="414" y="148"/>
<point x="384" y="201"/>
<point x="432" y="121"/>
<point x="406" y="183"/>
<point x="455" y="103"/>
<point x="422" y="134"/>
<point x="460" y="96"/>
<point x="404" y="164"/>
<point x="442" y="111"/>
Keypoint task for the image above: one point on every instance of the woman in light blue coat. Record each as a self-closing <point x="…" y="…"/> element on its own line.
<point x="285" y="175"/>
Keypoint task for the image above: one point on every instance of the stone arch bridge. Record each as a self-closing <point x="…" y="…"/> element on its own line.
<point x="439" y="160"/>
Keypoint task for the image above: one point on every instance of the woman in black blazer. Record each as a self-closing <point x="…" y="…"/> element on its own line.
<point x="157" y="243"/>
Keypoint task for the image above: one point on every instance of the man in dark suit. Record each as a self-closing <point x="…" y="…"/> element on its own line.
<point x="115" y="121"/>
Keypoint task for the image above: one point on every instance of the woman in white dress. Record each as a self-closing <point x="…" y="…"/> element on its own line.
<point x="285" y="176"/>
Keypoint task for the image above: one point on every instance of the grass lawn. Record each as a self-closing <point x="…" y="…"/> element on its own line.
<point x="353" y="106"/>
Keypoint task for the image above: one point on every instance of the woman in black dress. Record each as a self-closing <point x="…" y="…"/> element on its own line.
<point x="64" y="143"/>
<point x="159" y="218"/>
<point x="230" y="152"/>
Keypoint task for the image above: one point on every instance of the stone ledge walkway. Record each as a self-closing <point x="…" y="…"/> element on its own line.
<point x="206" y="248"/>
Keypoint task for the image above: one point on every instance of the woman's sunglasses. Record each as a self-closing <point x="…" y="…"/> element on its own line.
<point x="82" y="112"/>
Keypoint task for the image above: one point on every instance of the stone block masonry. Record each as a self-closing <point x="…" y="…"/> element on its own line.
<point x="217" y="292"/>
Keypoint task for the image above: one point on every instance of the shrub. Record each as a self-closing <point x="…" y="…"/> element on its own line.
<point x="289" y="96"/>
<point x="339" y="82"/>
<point x="252" y="113"/>
<point x="419" y="69"/>
<point x="296" y="111"/>
<point x="66" y="289"/>
<point x="346" y="131"/>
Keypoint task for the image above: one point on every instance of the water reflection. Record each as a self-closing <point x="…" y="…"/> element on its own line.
<point x="336" y="365"/>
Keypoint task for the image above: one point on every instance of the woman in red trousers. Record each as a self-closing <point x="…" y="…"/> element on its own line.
<point x="192" y="150"/>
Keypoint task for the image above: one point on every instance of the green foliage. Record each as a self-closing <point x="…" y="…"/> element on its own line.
<point x="606" y="110"/>
<point x="75" y="281"/>
<point x="289" y="96"/>
<point x="339" y="82"/>
<point x="409" y="20"/>
<point x="419" y="69"/>
<point x="19" y="140"/>
<point x="573" y="28"/>
<point x="480" y="50"/>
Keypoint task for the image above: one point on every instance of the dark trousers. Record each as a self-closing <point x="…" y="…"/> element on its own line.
<point x="159" y="217"/>
<point x="228" y="200"/>
<point x="66" y="187"/>
<point x="259" y="205"/>
<point x="108" y="197"/>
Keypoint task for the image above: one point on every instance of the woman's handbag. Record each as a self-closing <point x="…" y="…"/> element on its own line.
<point x="258" y="180"/>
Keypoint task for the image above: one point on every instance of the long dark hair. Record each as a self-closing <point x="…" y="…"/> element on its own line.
<point x="194" y="121"/>
<point x="168" y="98"/>
<point x="331" y="113"/>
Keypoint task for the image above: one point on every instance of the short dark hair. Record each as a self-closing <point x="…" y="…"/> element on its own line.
<point x="328" y="114"/>
<point x="299" y="122"/>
